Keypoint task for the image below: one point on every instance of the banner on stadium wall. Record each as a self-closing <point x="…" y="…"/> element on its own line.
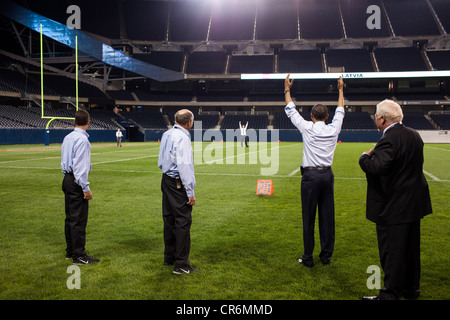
<point x="347" y="75"/>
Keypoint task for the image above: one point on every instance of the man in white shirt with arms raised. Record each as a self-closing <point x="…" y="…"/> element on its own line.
<point x="243" y="133"/>
<point x="317" y="186"/>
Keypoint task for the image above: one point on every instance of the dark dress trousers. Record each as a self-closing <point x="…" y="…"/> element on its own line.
<point x="177" y="216"/>
<point x="76" y="216"/>
<point x="317" y="190"/>
<point x="397" y="198"/>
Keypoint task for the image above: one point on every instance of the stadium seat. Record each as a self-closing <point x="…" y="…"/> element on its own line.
<point x="416" y="120"/>
<point x="442" y="119"/>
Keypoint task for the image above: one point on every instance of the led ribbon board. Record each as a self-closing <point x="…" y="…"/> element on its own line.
<point x="346" y="75"/>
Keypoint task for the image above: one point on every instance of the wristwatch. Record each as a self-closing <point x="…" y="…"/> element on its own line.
<point x="286" y="91"/>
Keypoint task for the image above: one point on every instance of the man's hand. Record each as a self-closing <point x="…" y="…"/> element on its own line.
<point x="191" y="201"/>
<point x="288" y="84"/>
<point x="88" y="195"/>
<point x="369" y="153"/>
<point x="340" y="84"/>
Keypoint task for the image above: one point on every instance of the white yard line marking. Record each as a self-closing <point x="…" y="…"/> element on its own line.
<point x="437" y="148"/>
<point x="59" y="157"/>
<point x="294" y="172"/>
<point x="129" y="159"/>
<point x="35" y="159"/>
<point x="206" y="173"/>
<point x="431" y="176"/>
<point x="38" y="168"/>
<point x="242" y="154"/>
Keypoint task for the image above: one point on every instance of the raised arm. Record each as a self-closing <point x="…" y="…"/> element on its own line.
<point x="341" y="92"/>
<point x="287" y="87"/>
<point x="290" y="110"/>
<point x="338" y="117"/>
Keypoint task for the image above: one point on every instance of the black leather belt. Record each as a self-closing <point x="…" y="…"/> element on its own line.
<point x="316" y="168"/>
<point x="177" y="180"/>
<point x="303" y="169"/>
<point x="174" y="178"/>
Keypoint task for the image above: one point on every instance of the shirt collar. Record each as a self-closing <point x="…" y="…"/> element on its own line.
<point x="81" y="131"/>
<point x="177" y="126"/>
<point x="320" y="123"/>
<point x="390" y="126"/>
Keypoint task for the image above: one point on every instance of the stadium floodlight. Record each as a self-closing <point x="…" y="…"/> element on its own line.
<point x="346" y="75"/>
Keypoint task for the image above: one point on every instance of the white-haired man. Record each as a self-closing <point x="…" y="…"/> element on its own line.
<point x="397" y="199"/>
<point x="177" y="186"/>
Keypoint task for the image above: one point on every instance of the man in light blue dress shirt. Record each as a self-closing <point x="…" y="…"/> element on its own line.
<point x="76" y="165"/>
<point x="177" y="185"/>
<point x="317" y="186"/>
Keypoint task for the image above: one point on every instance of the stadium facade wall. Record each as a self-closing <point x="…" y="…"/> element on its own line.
<point x="37" y="136"/>
<point x="435" y="136"/>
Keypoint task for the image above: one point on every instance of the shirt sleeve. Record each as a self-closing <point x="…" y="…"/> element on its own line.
<point x="82" y="164"/>
<point x="162" y="148"/>
<point x="338" y="118"/>
<point x="185" y="163"/>
<point x="296" y="119"/>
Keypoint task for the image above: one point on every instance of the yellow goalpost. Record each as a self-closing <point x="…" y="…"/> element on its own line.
<point x="43" y="116"/>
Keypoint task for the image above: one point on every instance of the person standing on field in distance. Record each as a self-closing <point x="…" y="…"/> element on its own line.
<point x="398" y="198"/>
<point x="317" y="186"/>
<point x="243" y="133"/>
<point x="119" y="136"/>
<point x="177" y="185"/>
<point x="76" y="165"/>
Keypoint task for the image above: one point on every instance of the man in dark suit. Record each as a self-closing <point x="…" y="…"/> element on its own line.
<point x="397" y="198"/>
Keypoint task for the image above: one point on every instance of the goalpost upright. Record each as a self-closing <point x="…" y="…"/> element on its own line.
<point x="43" y="116"/>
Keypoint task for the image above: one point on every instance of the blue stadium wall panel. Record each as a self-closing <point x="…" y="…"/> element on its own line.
<point x="283" y="135"/>
<point x="37" y="136"/>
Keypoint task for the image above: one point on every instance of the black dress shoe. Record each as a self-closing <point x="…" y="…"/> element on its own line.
<point x="306" y="263"/>
<point x="411" y="295"/>
<point x="325" y="262"/>
<point x="371" y="298"/>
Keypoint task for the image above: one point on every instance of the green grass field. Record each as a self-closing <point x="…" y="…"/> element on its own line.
<point x="245" y="245"/>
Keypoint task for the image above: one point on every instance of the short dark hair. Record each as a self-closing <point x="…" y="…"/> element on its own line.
<point x="81" y="117"/>
<point x="183" y="117"/>
<point x="320" y="112"/>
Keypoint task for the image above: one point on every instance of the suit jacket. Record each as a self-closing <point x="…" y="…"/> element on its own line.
<point x="397" y="191"/>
